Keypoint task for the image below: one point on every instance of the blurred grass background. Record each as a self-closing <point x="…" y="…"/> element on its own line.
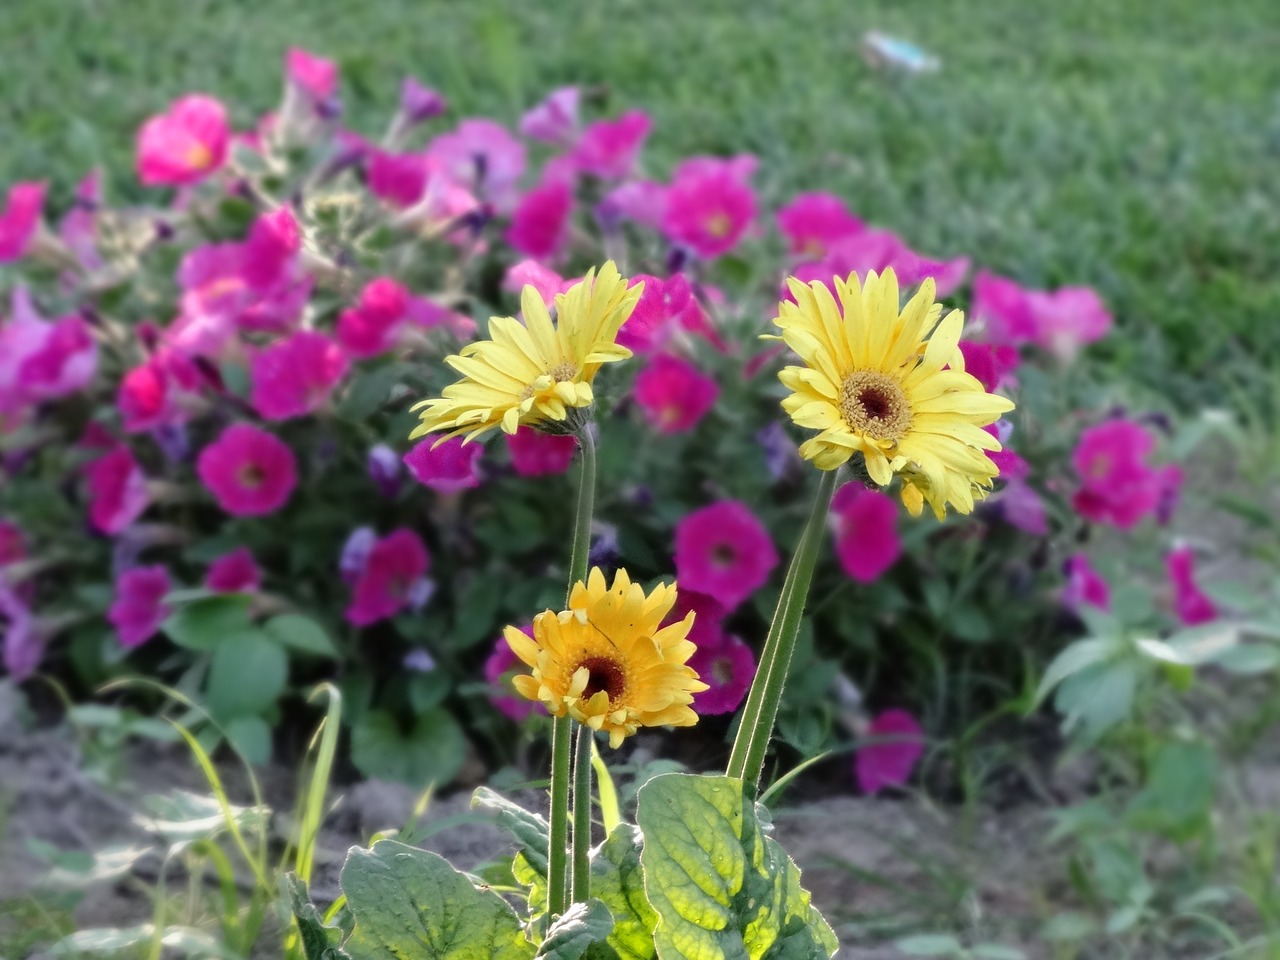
<point x="1129" y="145"/>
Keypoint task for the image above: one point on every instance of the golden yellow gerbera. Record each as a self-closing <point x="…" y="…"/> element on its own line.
<point x="537" y="371"/>
<point x="608" y="662"/>
<point x="874" y="382"/>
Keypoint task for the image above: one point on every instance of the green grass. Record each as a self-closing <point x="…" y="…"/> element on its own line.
<point x="1127" y="145"/>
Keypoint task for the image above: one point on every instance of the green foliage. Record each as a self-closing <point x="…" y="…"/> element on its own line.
<point x="528" y="829"/>
<point x="433" y="750"/>
<point x="581" y="932"/>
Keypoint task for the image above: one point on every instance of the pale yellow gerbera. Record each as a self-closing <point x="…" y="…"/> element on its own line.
<point x="875" y="382"/>
<point x="608" y="662"/>
<point x="538" y="371"/>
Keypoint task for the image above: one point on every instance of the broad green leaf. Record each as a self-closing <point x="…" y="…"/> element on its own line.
<point x="181" y="816"/>
<point x="1179" y="791"/>
<point x="529" y="829"/>
<point x="929" y="945"/>
<point x="251" y="736"/>
<point x="1081" y="654"/>
<point x="996" y="951"/>
<point x="1098" y="697"/>
<point x="1069" y="926"/>
<point x="300" y="633"/>
<point x="409" y="903"/>
<point x="720" y="888"/>
<point x="185" y="942"/>
<point x="1248" y="659"/>
<point x="432" y="752"/>
<point x="319" y="941"/>
<point x="618" y="880"/>
<point x="205" y="623"/>
<point x="582" y="926"/>
<point x="249" y="671"/>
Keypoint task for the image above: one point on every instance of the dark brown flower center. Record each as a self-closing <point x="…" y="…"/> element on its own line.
<point x="722" y="555"/>
<point x="603" y="674"/>
<point x="251" y="475"/>
<point x="873" y="403"/>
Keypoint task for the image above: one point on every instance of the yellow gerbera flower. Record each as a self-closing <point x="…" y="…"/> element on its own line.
<point x="537" y="371"/>
<point x="608" y="662"/>
<point x="874" y="382"/>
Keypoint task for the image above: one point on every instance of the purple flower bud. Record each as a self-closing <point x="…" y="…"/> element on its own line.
<point x="779" y="452"/>
<point x="419" y="103"/>
<point x="419" y="660"/>
<point x="420" y="593"/>
<point x="604" y="544"/>
<point x="355" y="553"/>
<point x="384" y="470"/>
<point x="173" y="441"/>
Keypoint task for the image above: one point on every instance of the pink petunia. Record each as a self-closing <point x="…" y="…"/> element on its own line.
<point x="161" y="392"/>
<point x="538" y="454"/>
<point x="543" y="279"/>
<point x="608" y="148"/>
<point x="315" y="76"/>
<point x="185" y="144"/>
<point x="392" y="570"/>
<point x="500" y="666"/>
<point x="117" y="490"/>
<point x="294" y="376"/>
<point x="250" y="472"/>
<point x="873" y="249"/>
<point x="540" y="225"/>
<point x="446" y="467"/>
<point x="1192" y="605"/>
<point x="813" y="222"/>
<point x="429" y="315"/>
<point x="555" y="119"/>
<point x="866" y="531"/>
<point x="23" y="644"/>
<point x="890" y="762"/>
<point x="221" y="291"/>
<point x="398" y="178"/>
<point x="708" y="616"/>
<point x="40" y="360"/>
<point x="709" y="205"/>
<point x="371" y="327"/>
<point x="722" y="550"/>
<point x="650" y="322"/>
<point x="274" y="240"/>
<point x="991" y="363"/>
<point x="234" y="572"/>
<point x="1117" y="485"/>
<point x="641" y="201"/>
<point x="20" y="219"/>
<point x="1068" y="318"/>
<point x="139" y="609"/>
<point x="482" y="156"/>
<point x="674" y="394"/>
<point x="1084" y="585"/>
<point x="1002" y="307"/>
<point x="727" y="668"/>
<point x="78" y="228"/>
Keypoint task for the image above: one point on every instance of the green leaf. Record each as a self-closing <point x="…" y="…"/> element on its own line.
<point x="1248" y="659"/>
<point x="251" y="736"/>
<point x="1179" y="791"/>
<point x="249" y="671"/>
<point x="185" y="941"/>
<point x="1098" y="697"/>
<point x="300" y="633"/>
<point x="929" y="945"/>
<point x="582" y="926"/>
<point x="996" y="951"/>
<point x="618" y="880"/>
<point x="1069" y="926"/>
<point x="529" y="829"/>
<point x="319" y="941"/>
<point x="411" y="903"/>
<point x="720" y="887"/>
<point x="1081" y="654"/>
<point x="368" y="391"/>
<point x="432" y="752"/>
<point x="205" y="623"/>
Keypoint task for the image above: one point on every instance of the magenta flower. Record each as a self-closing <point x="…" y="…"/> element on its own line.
<point x="294" y="377"/>
<point x="398" y="178"/>
<point x="315" y="76"/>
<point x="139" y="608"/>
<point x="540" y="224"/>
<point x="710" y="205"/>
<point x="234" y="572"/>
<point x="722" y="550"/>
<point x="1117" y="486"/>
<point x="813" y="222"/>
<point x="184" y="145"/>
<point x="991" y="363"/>
<point x="448" y="466"/>
<point x="674" y="394"/>
<point x="1084" y="585"/>
<point x="218" y="294"/>
<point x="430" y="315"/>
<point x="555" y="119"/>
<point x="371" y="327"/>
<point x="1068" y="319"/>
<point x="161" y="392"/>
<point x="538" y="454"/>
<point x="483" y="156"/>
<point x="879" y="250"/>
<point x="641" y="201"/>
<point x="1192" y="605"/>
<point x="23" y="644"/>
<point x="866" y="531"/>
<point x="117" y="490"/>
<point x="250" y="472"/>
<point x="543" y="279"/>
<point x="40" y="360"/>
<point x="727" y="669"/>
<point x="20" y="219"/>
<point x="889" y="763"/>
<point x="650" y="321"/>
<point x="79" y="226"/>
<point x="1001" y="305"/>
<point x="390" y="575"/>
<point x="274" y="241"/>
<point x="419" y="103"/>
<point x="501" y="665"/>
<point x="608" y="148"/>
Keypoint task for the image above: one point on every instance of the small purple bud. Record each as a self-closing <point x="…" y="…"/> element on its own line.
<point x="604" y="544"/>
<point x="419" y="660"/>
<point x="677" y="259"/>
<point x="384" y="470"/>
<point x="420" y="593"/>
<point x="419" y="103"/>
<point x="355" y="553"/>
<point x="608" y="216"/>
<point x="173" y="442"/>
<point x="330" y="108"/>
<point x="779" y="452"/>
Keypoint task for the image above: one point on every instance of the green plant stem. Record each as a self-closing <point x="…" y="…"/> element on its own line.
<point x="561" y="733"/>
<point x="582" y="815"/>
<point x="761" y="712"/>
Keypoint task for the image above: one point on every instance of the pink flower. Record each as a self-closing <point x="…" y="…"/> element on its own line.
<point x="394" y="566"/>
<point x="555" y="119"/>
<point x="20" y="218"/>
<point x="218" y="295"/>
<point x="1117" y="486"/>
<point x="648" y="325"/>
<point x="419" y="103"/>
<point x="1192" y="604"/>
<point x="877" y="250"/>
<point x="483" y="156"/>
<point x="812" y="222"/>
<point x="234" y="572"/>
<point x="674" y="394"/>
<point x="117" y="490"/>
<point x="889" y="763"/>
<point x="430" y="315"/>
<point x="728" y="669"/>
<point x="294" y="377"/>
<point x="708" y="616"/>
<point x="23" y="644"/>
<point x="250" y="472"/>
<point x="184" y="145"/>
<point x="722" y="550"/>
<point x="1068" y="319"/>
<point x="608" y="148"/>
<point x="531" y="273"/>
<point x="161" y="392"/>
<point x="540" y="224"/>
<point x="44" y="361"/>
<point x="501" y="665"/>
<point x="370" y="328"/>
<point x="398" y="178"/>
<point x="640" y="201"/>
<point x="866" y="531"/>
<point x="538" y="454"/>
<point x="447" y="466"/>
<point x="710" y="205"/>
<point x="990" y="363"/>
<point x="314" y="76"/>
<point x="1084" y="585"/>
<point x="274" y="241"/>
<point x="1021" y="507"/>
<point x="1002" y="305"/>
<point x="79" y="227"/>
<point x="139" y="608"/>
<point x="13" y="545"/>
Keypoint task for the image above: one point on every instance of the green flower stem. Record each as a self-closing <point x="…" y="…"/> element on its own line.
<point x="582" y="816"/>
<point x="761" y="712"/>
<point x="561" y="728"/>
